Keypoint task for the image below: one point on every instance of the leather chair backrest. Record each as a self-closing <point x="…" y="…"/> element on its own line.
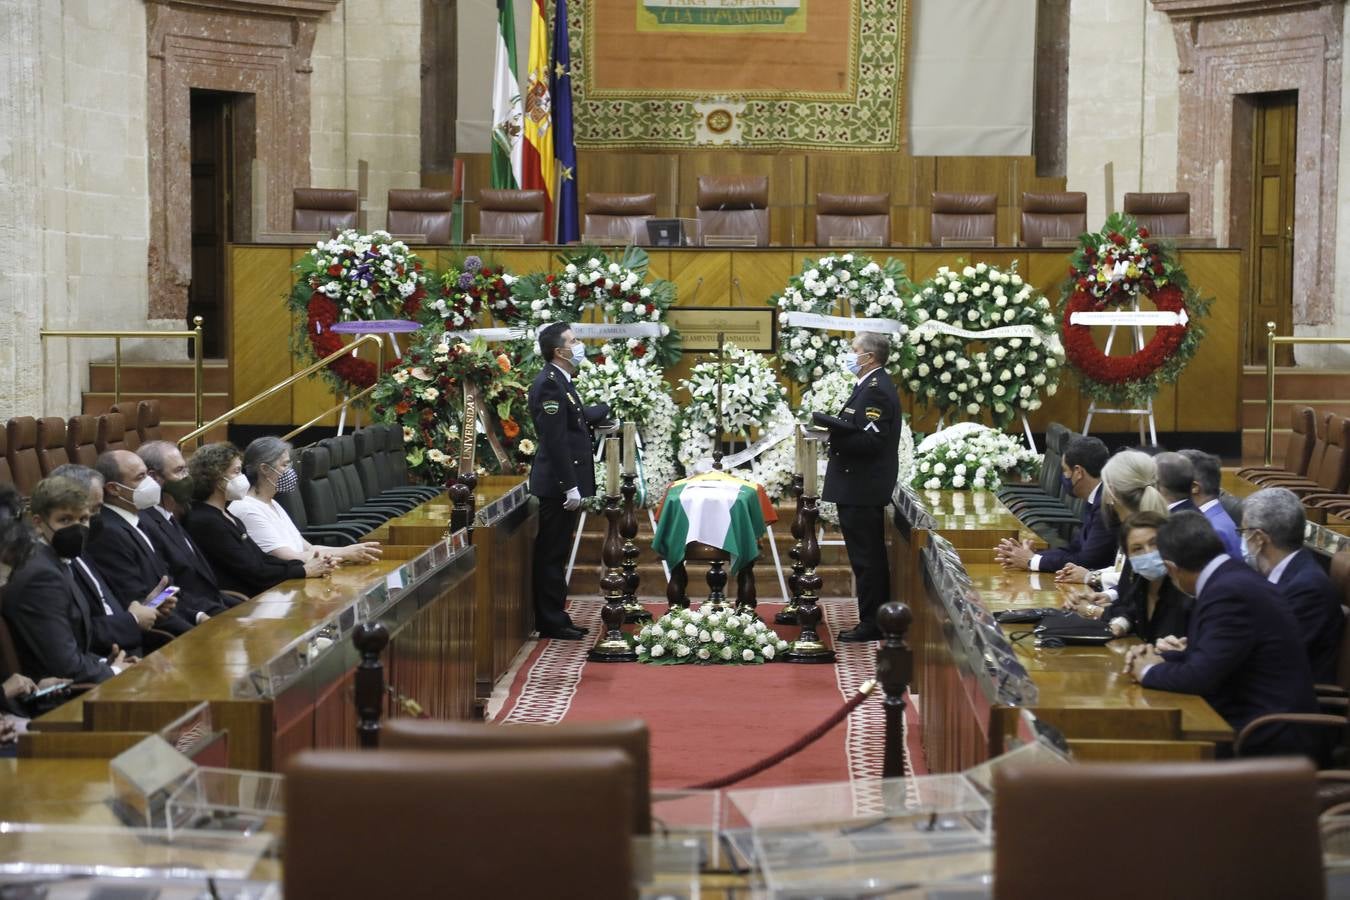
<point x="384" y="466"/>
<point x="962" y="216"/>
<point x="316" y="491"/>
<point x="147" y="421"/>
<point x="422" y="211"/>
<point x="1161" y="213"/>
<point x="1298" y="450"/>
<point x="628" y="735"/>
<point x="1335" y="471"/>
<point x="1339" y="571"/>
<point x="512" y="212"/>
<point x="324" y="209"/>
<point x="6" y="476"/>
<point x="347" y="470"/>
<point x="112" y="433"/>
<point x="1058" y="215"/>
<point x="620" y="216"/>
<point x="341" y="495"/>
<point x="130" y="411"/>
<point x="22" y="453"/>
<point x="51" y="443"/>
<point x="523" y="824"/>
<point x="81" y="435"/>
<point x="734" y="205"/>
<point x="294" y="505"/>
<point x="852" y="216"/>
<point x="398" y="455"/>
<point x="364" y="440"/>
<point x="1237" y="829"/>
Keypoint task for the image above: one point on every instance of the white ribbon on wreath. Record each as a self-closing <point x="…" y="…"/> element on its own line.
<point x="843" y="323"/>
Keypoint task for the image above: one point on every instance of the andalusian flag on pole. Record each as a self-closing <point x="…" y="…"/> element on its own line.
<point x="560" y="93"/>
<point x="537" y="157"/>
<point x="506" y="105"/>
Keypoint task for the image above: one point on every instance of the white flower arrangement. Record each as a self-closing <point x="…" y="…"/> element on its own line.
<point x="1005" y="375"/>
<point x="848" y="282"/>
<point x="636" y="393"/>
<point x="969" y="456"/>
<point x="706" y="636"/>
<point x="363" y="273"/>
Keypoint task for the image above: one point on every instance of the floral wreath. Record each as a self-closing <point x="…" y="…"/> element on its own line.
<point x="846" y="283"/>
<point x="1019" y="360"/>
<point x="707" y="636"/>
<point x="970" y="456"/>
<point x="754" y="404"/>
<point x="1119" y="266"/>
<point x="423" y="394"/>
<point x="636" y="393"/>
<point x="464" y="291"/>
<point x="352" y="277"/>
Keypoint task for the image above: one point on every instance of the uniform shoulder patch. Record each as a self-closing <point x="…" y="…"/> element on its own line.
<point x="872" y="412"/>
<point x="551" y="407"/>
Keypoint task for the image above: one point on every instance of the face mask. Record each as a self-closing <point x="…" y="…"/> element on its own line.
<point x="578" y="353"/>
<point x="851" y="363"/>
<point x="236" y="488"/>
<point x="68" y="542"/>
<point x="1150" y="565"/>
<point x="287" y="480"/>
<point x="180" y="490"/>
<point x="146" y="494"/>
<point x="1249" y="557"/>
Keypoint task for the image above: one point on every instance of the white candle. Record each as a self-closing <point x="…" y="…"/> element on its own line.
<point x="810" y="474"/>
<point x="612" y="467"/>
<point x="630" y="448"/>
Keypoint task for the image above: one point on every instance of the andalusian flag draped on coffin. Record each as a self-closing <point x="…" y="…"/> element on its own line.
<point x="717" y="509"/>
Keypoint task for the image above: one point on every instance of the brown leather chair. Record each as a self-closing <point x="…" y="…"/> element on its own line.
<point x="324" y="209"/>
<point x="1241" y="830"/>
<point x="112" y="433"/>
<point x="628" y="735"/>
<point x="841" y="218"/>
<point x="734" y="206"/>
<point x="1298" y="450"/>
<point x="51" y="443"/>
<point x="1053" y="216"/>
<point x="518" y="824"/>
<point x="507" y="212"/>
<point x="147" y="421"/>
<point x="128" y="409"/>
<point x="620" y="217"/>
<point x="22" y="453"/>
<point x="1328" y="473"/>
<point x="959" y="217"/>
<point x="1161" y="213"/>
<point x="81" y="435"/>
<point x="424" y="212"/>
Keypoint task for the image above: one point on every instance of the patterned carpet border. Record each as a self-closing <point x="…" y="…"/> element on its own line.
<point x="856" y="663"/>
<point x="551" y="683"/>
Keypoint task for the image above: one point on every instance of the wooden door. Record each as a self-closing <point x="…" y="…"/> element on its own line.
<point x="1271" y="243"/>
<point x="211" y="170"/>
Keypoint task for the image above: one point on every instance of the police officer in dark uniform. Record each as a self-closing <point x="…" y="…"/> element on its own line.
<point x="861" y="474"/>
<point x="563" y="473"/>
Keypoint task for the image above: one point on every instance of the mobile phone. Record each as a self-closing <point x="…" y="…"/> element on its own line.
<point x="155" y="601"/>
<point x="50" y="689"/>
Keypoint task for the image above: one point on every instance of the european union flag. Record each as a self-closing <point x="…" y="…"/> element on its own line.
<point x="564" y="147"/>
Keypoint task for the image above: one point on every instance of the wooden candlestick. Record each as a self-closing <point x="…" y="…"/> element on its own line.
<point x="808" y="648"/>
<point x="788" y="614"/>
<point x="895" y="668"/>
<point x="633" y="611"/>
<point x="612" y="645"/>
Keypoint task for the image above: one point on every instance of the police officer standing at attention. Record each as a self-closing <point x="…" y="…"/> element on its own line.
<point x="861" y="474"/>
<point x="563" y="473"/>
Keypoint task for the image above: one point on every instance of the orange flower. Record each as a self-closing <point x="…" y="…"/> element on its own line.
<point x="510" y="429"/>
<point x="504" y="362"/>
<point x="402" y="407"/>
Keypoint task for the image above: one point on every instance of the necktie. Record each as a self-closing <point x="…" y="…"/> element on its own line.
<point x="90" y="579"/>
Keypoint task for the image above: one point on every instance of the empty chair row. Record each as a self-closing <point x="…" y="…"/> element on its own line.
<point x="30" y="448"/>
<point x="1316" y="465"/>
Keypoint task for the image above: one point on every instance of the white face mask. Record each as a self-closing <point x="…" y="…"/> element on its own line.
<point x="146" y="494"/>
<point x="578" y="353"/>
<point x="851" y="363"/>
<point x="237" y="487"/>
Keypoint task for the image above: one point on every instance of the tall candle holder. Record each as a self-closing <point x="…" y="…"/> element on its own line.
<point x="633" y="611"/>
<point x="612" y="645"/>
<point x="808" y="648"/>
<point x="788" y="614"/>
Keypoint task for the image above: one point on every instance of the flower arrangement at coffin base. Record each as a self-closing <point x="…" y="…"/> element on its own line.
<point x="424" y="395"/>
<point x="635" y="393"/>
<point x="352" y="277"/>
<point x="705" y="636"/>
<point x="464" y="291"/>
<point x="840" y="283"/>
<point x="970" y="456"/>
<point x="1005" y="375"/>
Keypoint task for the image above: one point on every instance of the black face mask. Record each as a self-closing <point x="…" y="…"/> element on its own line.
<point x="68" y="542"/>
<point x="180" y="490"/>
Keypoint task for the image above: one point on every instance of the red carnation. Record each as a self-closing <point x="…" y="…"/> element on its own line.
<point x="1143" y="232"/>
<point x="335" y="270"/>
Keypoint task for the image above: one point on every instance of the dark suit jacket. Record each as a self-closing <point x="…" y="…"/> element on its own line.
<point x="563" y="425"/>
<point x="49" y="621"/>
<point x="1316" y="605"/>
<point x="1244" y="656"/>
<point x="189" y="569"/>
<point x="1186" y="505"/>
<point x="862" y="465"/>
<point x="119" y="627"/>
<point x="239" y="564"/>
<point x="1093" y="547"/>
<point x="1171" y="615"/>
<point x="131" y="568"/>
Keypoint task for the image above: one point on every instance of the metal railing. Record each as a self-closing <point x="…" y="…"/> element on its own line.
<point x="195" y="335"/>
<point x="1271" y="341"/>
<point x="280" y="386"/>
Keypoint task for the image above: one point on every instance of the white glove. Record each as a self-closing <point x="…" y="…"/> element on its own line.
<point x="572" y="499"/>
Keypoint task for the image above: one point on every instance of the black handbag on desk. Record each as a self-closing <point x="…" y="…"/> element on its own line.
<point x="1061" y="627"/>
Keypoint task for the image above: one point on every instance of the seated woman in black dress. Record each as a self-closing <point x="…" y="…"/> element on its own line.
<point x="217" y="472"/>
<point x="1150" y="606"/>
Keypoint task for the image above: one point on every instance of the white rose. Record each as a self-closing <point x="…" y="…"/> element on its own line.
<point x="768" y="652"/>
<point x="658" y="650"/>
<point x="703" y="653"/>
<point x="718" y="637"/>
<point x="726" y="653"/>
<point x="691" y="630"/>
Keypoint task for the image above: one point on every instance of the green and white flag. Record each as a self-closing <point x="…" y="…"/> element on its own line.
<point x="711" y="509"/>
<point x="507" y="109"/>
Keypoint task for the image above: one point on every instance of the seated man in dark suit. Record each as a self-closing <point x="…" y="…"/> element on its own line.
<point x="1241" y="651"/>
<point x="1176" y="477"/>
<point x="1094" y="546"/>
<point x="163" y="522"/>
<point x="46" y="614"/>
<point x="122" y="548"/>
<point x="1273" y="523"/>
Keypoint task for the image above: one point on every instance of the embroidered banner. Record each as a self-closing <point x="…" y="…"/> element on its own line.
<point x="751" y="74"/>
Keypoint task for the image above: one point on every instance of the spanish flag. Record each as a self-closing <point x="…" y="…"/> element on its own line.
<point x="537" y="166"/>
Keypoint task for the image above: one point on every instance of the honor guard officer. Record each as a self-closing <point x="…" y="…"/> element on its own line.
<point x="860" y="477"/>
<point x="563" y="473"/>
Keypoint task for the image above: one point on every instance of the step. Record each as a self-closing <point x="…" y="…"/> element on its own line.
<point x="1253" y="445"/>
<point x="1254" y="411"/>
<point x="161" y="376"/>
<point x="172" y="407"/>
<point x="172" y="431"/>
<point x="1291" y="384"/>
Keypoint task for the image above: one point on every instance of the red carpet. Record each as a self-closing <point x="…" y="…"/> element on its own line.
<point x="709" y="721"/>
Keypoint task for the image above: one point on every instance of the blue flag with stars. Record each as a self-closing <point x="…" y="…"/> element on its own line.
<point x="564" y="147"/>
